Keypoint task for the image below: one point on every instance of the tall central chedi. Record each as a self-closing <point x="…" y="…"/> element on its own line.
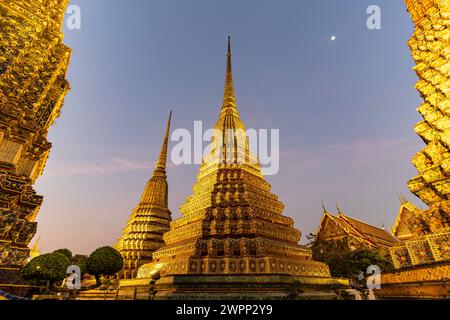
<point x="232" y="240"/>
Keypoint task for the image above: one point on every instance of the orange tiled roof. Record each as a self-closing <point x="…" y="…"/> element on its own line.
<point x="364" y="232"/>
<point x="375" y="234"/>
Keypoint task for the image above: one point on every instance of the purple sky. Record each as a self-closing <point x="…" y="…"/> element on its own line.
<point x="345" y="108"/>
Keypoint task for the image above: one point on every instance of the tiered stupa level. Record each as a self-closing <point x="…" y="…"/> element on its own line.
<point x="232" y="237"/>
<point x="149" y="220"/>
<point x="33" y="66"/>
<point x="430" y="47"/>
<point x="423" y="259"/>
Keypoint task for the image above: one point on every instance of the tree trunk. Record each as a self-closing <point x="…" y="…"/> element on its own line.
<point x="98" y="283"/>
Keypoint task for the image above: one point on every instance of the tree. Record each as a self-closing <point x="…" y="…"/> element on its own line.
<point x="104" y="261"/>
<point x="47" y="268"/>
<point x="65" y="252"/>
<point x="345" y="262"/>
<point x="81" y="261"/>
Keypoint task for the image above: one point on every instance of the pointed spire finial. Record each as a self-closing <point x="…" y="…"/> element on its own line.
<point x="323" y="207"/>
<point x="402" y="198"/>
<point x="161" y="164"/>
<point x="337" y="207"/>
<point x="229" y="99"/>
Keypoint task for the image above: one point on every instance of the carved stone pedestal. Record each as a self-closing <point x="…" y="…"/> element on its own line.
<point x="234" y="287"/>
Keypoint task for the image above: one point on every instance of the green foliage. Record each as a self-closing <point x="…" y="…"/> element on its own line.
<point x="347" y="263"/>
<point x="47" y="267"/>
<point x="295" y="290"/>
<point x="65" y="252"/>
<point x="104" y="261"/>
<point x="107" y="284"/>
<point x="81" y="261"/>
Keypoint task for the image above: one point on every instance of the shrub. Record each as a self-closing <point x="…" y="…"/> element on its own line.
<point x="105" y="261"/>
<point x="81" y="261"/>
<point x="47" y="268"/>
<point x="65" y="252"/>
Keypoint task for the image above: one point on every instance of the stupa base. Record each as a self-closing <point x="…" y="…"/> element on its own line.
<point x="234" y="287"/>
<point x="11" y="282"/>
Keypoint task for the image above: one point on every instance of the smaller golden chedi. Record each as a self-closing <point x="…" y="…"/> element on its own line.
<point x="149" y="220"/>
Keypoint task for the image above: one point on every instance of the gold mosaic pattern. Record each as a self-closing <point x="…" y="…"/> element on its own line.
<point x="400" y="257"/>
<point x="431" y="50"/>
<point x="440" y="246"/>
<point x="33" y="65"/>
<point x="419" y="251"/>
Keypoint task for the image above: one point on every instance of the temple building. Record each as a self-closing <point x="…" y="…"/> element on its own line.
<point x="33" y="66"/>
<point x="149" y="220"/>
<point x="356" y="233"/>
<point x="406" y="212"/>
<point x="232" y="240"/>
<point x="423" y="258"/>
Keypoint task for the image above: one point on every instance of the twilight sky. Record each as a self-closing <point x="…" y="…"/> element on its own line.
<point x="345" y="109"/>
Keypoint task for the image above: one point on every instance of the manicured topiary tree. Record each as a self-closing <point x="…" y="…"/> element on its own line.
<point x="47" y="268"/>
<point x="104" y="261"/>
<point x="65" y="252"/>
<point x="81" y="261"/>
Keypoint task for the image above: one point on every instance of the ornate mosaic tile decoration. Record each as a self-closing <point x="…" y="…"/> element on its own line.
<point x="430" y="46"/>
<point x="33" y="65"/>
<point x="400" y="257"/>
<point x="440" y="246"/>
<point x="419" y="251"/>
<point x="431" y="50"/>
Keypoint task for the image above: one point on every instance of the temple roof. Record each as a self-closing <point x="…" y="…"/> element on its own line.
<point x="366" y="229"/>
<point x="401" y="229"/>
<point x="364" y="232"/>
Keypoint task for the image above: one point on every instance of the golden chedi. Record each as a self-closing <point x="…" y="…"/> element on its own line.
<point x="232" y="239"/>
<point x="430" y="48"/>
<point x="149" y="220"/>
<point x="33" y="65"/>
<point x="423" y="258"/>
